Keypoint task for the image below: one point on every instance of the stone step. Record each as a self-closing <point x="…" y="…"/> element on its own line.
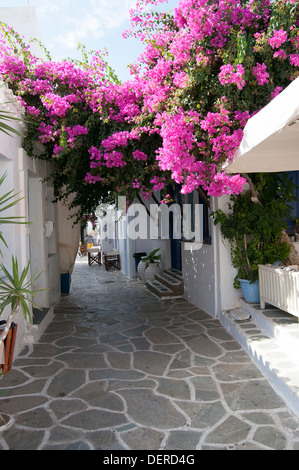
<point x="41" y="319"/>
<point x="271" y="338"/>
<point x="174" y="273"/>
<point x="167" y="285"/>
<point x="171" y="282"/>
<point x="160" y="290"/>
<point x="277" y="324"/>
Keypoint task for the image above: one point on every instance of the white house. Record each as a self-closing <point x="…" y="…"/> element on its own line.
<point x="50" y="242"/>
<point x="38" y="241"/>
<point x="205" y="265"/>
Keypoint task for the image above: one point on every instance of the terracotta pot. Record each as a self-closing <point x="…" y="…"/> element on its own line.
<point x="5" y="421"/>
<point x="9" y="346"/>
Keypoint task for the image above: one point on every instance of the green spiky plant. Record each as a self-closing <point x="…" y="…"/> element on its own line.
<point x="152" y="257"/>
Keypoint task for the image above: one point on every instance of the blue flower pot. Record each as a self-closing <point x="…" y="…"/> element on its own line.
<point x="250" y="292"/>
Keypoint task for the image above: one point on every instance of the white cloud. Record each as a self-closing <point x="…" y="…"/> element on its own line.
<point x="77" y="21"/>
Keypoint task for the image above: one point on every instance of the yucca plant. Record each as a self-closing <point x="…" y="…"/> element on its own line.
<point x="15" y="292"/>
<point x="7" y="201"/>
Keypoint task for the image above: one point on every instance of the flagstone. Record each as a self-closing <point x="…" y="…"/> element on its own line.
<point x="250" y="395"/>
<point x="203" y="415"/>
<point x="20" y="404"/>
<point x="140" y="343"/>
<point x="149" y="409"/>
<point x="178" y="389"/>
<point x="22" y="439"/>
<point x="75" y="341"/>
<point x="119" y="360"/>
<point x="28" y="388"/>
<point x="168" y="348"/>
<point x="13" y="379"/>
<point x="63" y="434"/>
<point x="95" y="419"/>
<point x="84" y="360"/>
<point x="220" y="333"/>
<point x="63" y="407"/>
<point x="127" y="384"/>
<point x="231" y="431"/>
<point x="115" y="374"/>
<point x="47" y="350"/>
<point x="161" y="336"/>
<point x="179" y="373"/>
<point x="66" y="382"/>
<point x="143" y="438"/>
<point x="94" y="393"/>
<point x="37" y="418"/>
<point x="41" y="371"/>
<point x="204" y="346"/>
<point x="135" y="332"/>
<point x="183" y="440"/>
<point x="151" y="362"/>
<point x="59" y="327"/>
<point x="232" y="372"/>
<point x="258" y="417"/>
<point x="79" y="445"/>
<point x="104" y="440"/>
<point x="205" y="388"/>
<point x="111" y="338"/>
<point x="235" y="356"/>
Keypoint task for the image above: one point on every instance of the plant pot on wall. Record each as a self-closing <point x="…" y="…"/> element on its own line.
<point x="250" y="291"/>
<point x="6" y="355"/>
<point x="149" y="266"/>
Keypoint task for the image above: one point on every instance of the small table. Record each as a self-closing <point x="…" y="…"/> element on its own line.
<point x="94" y="255"/>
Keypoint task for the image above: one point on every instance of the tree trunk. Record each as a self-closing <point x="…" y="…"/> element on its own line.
<point x="293" y="256"/>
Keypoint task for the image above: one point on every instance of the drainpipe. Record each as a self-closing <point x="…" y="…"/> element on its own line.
<point x="217" y="261"/>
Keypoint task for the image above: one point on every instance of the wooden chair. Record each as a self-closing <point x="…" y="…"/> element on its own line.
<point x="94" y="255"/>
<point x="111" y="259"/>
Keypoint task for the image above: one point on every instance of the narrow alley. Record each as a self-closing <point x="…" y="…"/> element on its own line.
<point x="118" y="369"/>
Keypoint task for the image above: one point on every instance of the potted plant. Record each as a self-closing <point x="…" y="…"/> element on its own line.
<point x="14" y="288"/>
<point x="149" y="266"/>
<point x="253" y="227"/>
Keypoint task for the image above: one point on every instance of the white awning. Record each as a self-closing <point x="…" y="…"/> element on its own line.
<point x="271" y="137"/>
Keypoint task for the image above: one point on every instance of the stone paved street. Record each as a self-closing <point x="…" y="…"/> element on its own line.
<point x="118" y="369"/>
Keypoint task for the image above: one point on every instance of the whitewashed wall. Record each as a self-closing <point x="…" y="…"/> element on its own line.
<point x="208" y="273"/>
<point x="23" y="20"/>
<point x="128" y="245"/>
<point x="37" y="242"/>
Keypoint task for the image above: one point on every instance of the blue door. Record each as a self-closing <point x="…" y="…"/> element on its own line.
<point x="175" y="244"/>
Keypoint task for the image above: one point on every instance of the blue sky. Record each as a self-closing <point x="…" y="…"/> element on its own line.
<point x="96" y="23"/>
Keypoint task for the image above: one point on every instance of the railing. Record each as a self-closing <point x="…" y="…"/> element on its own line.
<point x="279" y="286"/>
